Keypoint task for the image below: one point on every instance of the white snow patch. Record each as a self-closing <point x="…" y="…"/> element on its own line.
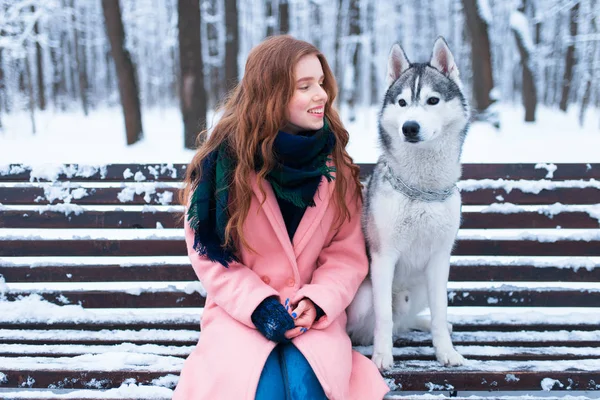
<point x="165" y="198"/>
<point x="139" y="176"/>
<point x="7" y="169"/>
<point x="195" y="286"/>
<point x="518" y="22"/>
<point x="127" y="174"/>
<point x="511" y="378"/>
<point x="526" y="186"/>
<point x="433" y="386"/>
<point x="147" y="189"/>
<point x="548" y="167"/>
<point x="34" y="309"/>
<point x="168" y="381"/>
<point x="65" y="192"/>
<point x="539" y="235"/>
<point x="27" y="383"/>
<point x="484" y="11"/>
<point x="51" y="171"/>
<point x="90" y="234"/>
<point x="125" y="391"/>
<point x="64" y="208"/>
<point x="548" y="383"/>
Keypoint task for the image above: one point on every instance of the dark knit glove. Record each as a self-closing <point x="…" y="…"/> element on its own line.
<point x="272" y="320"/>
<point x="320" y="312"/>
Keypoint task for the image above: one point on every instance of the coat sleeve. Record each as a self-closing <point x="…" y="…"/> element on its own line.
<point x="237" y="289"/>
<point x="343" y="265"/>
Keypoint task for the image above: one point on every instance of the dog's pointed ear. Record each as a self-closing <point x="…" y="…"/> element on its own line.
<point x="397" y="64"/>
<point x="443" y="60"/>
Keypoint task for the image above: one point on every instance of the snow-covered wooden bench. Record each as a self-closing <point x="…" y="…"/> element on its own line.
<point x="98" y="300"/>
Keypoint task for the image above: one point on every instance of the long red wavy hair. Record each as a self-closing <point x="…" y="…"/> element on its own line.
<point x="253" y="113"/>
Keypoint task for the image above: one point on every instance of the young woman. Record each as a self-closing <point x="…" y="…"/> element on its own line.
<point x="273" y="232"/>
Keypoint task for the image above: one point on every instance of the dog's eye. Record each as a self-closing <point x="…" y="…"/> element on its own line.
<point x="432" y="101"/>
<point x="402" y="103"/>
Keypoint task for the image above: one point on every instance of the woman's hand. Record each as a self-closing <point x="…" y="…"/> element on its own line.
<point x="304" y="315"/>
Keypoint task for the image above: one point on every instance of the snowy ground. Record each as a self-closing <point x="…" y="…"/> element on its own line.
<point x="99" y="138"/>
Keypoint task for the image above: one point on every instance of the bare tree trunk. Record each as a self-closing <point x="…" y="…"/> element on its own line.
<point x="270" y="16"/>
<point x="31" y="93"/>
<point x="80" y="62"/>
<point x="128" y="88"/>
<point x="592" y="62"/>
<point x="481" y="60"/>
<point x="193" y="96"/>
<point x="528" y="89"/>
<point x="284" y="17"/>
<point x="232" y="44"/>
<point x="338" y="56"/>
<point x="40" y="66"/>
<point x="353" y="96"/>
<point x="570" y="59"/>
<point x="2" y="85"/>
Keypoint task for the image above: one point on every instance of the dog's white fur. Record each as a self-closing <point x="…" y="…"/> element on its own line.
<point x="410" y="241"/>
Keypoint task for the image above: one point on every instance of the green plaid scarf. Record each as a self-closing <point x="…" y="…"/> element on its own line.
<point x="301" y="161"/>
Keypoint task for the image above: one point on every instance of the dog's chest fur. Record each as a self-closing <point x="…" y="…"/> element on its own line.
<point x="414" y="228"/>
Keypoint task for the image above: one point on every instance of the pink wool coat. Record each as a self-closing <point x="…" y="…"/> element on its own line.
<point x="323" y="264"/>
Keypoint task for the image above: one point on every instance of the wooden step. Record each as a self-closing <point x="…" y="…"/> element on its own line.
<point x="173" y="219"/>
<point x="176" y="172"/>
<point x="176" y="247"/>
<point x="132" y="272"/>
<point x="167" y="195"/>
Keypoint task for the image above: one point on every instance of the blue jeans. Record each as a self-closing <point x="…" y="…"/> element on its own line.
<point x="288" y="376"/>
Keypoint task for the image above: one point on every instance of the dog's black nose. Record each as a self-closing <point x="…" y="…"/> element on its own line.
<point x="411" y="129"/>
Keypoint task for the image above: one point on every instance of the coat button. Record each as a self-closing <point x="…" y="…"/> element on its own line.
<point x="291" y="282"/>
<point x="266" y="279"/>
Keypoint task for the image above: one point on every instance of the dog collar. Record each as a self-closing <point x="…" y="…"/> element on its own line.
<point x="412" y="193"/>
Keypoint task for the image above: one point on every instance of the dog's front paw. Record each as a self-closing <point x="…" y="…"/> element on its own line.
<point x="450" y="358"/>
<point x="383" y="359"/>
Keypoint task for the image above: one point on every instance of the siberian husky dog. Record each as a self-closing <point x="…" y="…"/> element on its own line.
<point x="412" y="210"/>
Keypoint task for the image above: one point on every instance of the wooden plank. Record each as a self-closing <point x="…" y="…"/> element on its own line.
<point x="165" y="173"/>
<point x="95" y="196"/>
<point x="483" y="380"/>
<point x="497" y="352"/>
<point x="524" y="298"/>
<point x="562" y="248"/>
<point x="89" y="219"/>
<point x="564" y="171"/>
<point x="522" y="272"/>
<point x="99" y="273"/>
<point x="114" y="299"/>
<point x="184" y="272"/>
<point x="109" y="173"/>
<point x="585" y="195"/>
<point x="488" y="326"/>
<point x="109" y="196"/>
<point x="529" y="220"/>
<point x="93" y="248"/>
<point x="514" y="297"/>
<point x="408" y="381"/>
<point x="67" y="379"/>
<point x="157" y="393"/>
<point x="167" y="247"/>
<point x="535" y="339"/>
<point x="170" y="219"/>
<point x="103" y="325"/>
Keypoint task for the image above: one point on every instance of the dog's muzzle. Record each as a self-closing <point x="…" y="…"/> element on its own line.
<point x="411" y="129"/>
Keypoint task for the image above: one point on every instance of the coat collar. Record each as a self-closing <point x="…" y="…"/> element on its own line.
<point x="308" y="224"/>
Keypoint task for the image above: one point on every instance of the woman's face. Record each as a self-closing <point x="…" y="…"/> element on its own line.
<point x="306" y="109"/>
